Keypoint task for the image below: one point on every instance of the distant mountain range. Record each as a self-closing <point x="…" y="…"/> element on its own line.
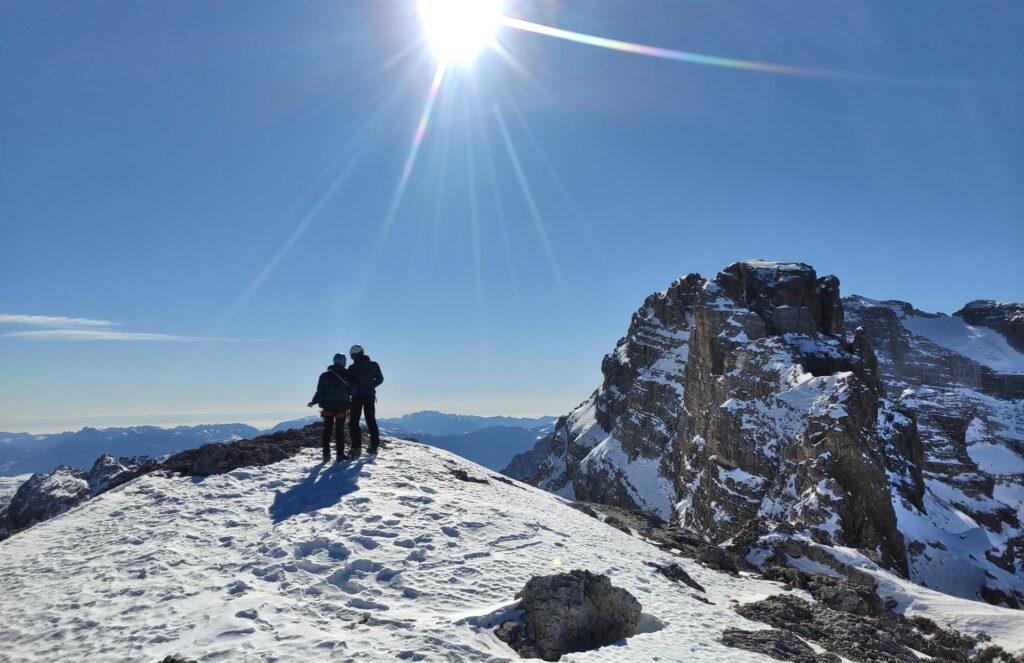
<point x="429" y="422"/>
<point x="490" y="441"/>
<point x="22" y="452"/>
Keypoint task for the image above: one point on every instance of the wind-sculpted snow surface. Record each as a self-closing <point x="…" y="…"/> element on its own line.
<point x="388" y="558"/>
<point x="762" y="399"/>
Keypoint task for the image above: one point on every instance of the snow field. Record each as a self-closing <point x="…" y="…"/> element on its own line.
<point x="391" y="558"/>
<point x="983" y="345"/>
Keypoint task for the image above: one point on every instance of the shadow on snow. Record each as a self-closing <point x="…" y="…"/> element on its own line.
<point x="324" y="487"/>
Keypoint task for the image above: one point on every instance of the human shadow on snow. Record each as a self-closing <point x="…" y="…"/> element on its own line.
<point x="324" y="487"/>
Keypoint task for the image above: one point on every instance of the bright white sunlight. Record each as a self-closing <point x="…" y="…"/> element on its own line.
<point x="458" y="30"/>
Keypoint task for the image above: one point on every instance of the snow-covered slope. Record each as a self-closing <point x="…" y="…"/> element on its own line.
<point x="386" y="559"/>
<point x="985" y="346"/>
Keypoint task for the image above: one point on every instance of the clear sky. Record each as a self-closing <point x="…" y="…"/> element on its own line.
<point x="213" y="185"/>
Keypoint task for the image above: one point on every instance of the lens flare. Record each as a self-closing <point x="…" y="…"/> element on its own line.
<point x="664" y="53"/>
<point x="458" y="30"/>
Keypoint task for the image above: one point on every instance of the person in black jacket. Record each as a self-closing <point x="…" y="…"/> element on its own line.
<point x="334" y="395"/>
<point x="366" y="377"/>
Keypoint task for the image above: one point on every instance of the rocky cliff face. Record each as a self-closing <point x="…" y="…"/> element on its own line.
<point x="760" y="406"/>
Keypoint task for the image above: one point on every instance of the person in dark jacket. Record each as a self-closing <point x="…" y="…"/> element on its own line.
<point x="366" y="377"/>
<point x="334" y="396"/>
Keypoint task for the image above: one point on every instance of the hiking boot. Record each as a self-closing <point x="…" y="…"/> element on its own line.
<point x="327" y="457"/>
<point x="372" y="451"/>
<point x="355" y="453"/>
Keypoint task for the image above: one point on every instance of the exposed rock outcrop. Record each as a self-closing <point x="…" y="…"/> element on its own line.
<point x="780" y="645"/>
<point x="869" y="639"/>
<point x="570" y="612"/>
<point x="223" y="457"/>
<point x="761" y="405"/>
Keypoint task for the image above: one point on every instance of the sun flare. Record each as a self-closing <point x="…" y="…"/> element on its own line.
<point x="457" y="30"/>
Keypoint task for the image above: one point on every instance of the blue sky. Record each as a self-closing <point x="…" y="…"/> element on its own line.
<point x="221" y="173"/>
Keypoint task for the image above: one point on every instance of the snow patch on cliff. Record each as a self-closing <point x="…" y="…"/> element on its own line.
<point x="983" y="345"/>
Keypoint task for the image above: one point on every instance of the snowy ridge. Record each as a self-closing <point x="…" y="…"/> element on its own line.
<point x="384" y="559"/>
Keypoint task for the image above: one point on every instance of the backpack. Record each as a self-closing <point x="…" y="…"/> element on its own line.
<point x="335" y="390"/>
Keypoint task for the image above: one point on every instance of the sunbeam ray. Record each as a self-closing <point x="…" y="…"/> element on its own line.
<point x="347" y="159"/>
<point x="439" y="183"/>
<point x="421" y="131"/>
<point x="563" y="190"/>
<point x="396" y="200"/>
<point x="501" y="220"/>
<point x="531" y="203"/>
<point x="474" y="218"/>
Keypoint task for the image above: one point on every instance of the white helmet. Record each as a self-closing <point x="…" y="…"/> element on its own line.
<point x="356" y="350"/>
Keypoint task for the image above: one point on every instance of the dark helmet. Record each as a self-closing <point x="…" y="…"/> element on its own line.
<point x="339" y="360"/>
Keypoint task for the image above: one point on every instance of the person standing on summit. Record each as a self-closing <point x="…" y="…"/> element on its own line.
<point x="366" y="377"/>
<point x="333" y="394"/>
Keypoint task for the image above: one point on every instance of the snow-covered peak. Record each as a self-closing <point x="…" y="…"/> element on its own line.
<point x="777" y="266"/>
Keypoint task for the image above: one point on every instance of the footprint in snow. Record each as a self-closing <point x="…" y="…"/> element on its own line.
<point x="366" y="542"/>
<point x="346" y="577"/>
<point x="363" y="604"/>
<point x="367" y="531"/>
<point x="387" y="574"/>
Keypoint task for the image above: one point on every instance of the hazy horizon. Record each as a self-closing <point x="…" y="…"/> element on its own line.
<point x="174" y="419"/>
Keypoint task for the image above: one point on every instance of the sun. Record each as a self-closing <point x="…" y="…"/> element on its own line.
<point x="457" y="30"/>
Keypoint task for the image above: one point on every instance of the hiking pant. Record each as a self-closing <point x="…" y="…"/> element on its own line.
<point x="361" y="404"/>
<point x="329" y="421"/>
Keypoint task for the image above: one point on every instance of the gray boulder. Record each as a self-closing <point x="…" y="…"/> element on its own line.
<point x="570" y="612"/>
